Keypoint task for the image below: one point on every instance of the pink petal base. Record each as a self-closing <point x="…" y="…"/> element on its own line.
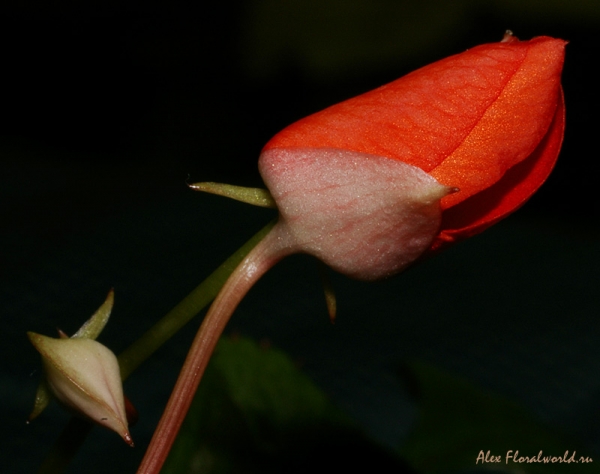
<point x="365" y="216"/>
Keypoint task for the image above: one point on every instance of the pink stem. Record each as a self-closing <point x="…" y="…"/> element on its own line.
<point x="264" y="256"/>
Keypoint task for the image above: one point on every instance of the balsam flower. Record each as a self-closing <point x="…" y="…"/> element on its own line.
<point x="488" y="122"/>
<point x="373" y="184"/>
<point x="83" y="374"/>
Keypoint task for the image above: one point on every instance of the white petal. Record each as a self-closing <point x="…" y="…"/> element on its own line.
<point x="84" y="375"/>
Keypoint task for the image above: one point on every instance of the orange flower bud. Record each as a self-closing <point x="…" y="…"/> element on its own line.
<point x="488" y="121"/>
<point x="374" y="183"/>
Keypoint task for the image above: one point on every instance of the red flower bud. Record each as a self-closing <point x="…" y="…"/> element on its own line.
<point x="488" y="121"/>
<point x="373" y="183"/>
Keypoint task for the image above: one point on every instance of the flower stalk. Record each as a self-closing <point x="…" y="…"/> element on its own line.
<point x="373" y="184"/>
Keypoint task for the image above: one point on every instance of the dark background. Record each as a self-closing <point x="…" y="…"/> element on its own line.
<point x="107" y="110"/>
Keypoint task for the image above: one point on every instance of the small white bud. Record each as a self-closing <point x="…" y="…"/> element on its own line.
<point x="83" y="374"/>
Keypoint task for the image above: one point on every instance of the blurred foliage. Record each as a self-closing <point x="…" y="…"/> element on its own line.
<point x="572" y="10"/>
<point x="329" y="38"/>
<point x="459" y="420"/>
<point x="256" y="412"/>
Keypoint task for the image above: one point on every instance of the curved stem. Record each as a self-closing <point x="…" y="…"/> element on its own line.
<point x="189" y="307"/>
<point x="265" y="255"/>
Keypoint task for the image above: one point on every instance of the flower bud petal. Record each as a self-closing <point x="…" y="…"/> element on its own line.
<point x="84" y="375"/>
<point x="366" y="216"/>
